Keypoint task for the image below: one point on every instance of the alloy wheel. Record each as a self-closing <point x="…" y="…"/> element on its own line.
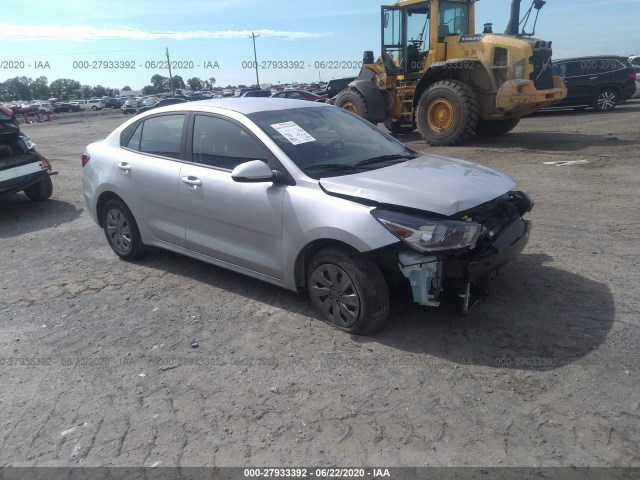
<point x="606" y="100"/>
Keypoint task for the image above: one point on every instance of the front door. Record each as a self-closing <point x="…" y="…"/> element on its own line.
<point x="239" y="223"/>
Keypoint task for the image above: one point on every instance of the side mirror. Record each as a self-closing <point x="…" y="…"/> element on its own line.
<point x="254" y="171"/>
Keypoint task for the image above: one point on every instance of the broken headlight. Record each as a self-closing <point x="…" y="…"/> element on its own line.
<point x="429" y="235"/>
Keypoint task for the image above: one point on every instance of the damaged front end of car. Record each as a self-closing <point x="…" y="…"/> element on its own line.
<point x="459" y="253"/>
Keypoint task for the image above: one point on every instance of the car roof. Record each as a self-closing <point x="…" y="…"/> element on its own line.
<point x="246" y="105"/>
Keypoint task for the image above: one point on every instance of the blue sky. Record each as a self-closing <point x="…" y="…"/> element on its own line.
<point x="202" y="32"/>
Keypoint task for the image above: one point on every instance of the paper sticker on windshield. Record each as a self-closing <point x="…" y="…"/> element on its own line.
<point x="294" y="133"/>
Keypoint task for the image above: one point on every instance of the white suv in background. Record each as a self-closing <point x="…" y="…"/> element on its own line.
<point x="93" y="104"/>
<point x="43" y="107"/>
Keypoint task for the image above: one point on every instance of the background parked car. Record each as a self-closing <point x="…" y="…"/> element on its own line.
<point x="43" y="107"/>
<point x="598" y="82"/>
<point x="20" y="108"/>
<point x="257" y="93"/>
<point x="161" y="103"/>
<point x="335" y="86"/>
<point x="637" y="94"/>
<point x="91" y="104"/>
<point x="111" y="102"/>
<point x="131" y="106"/>
<point x="22" y="167"/>
<point x="300" y="95"/>
<point x="60" y="107"/>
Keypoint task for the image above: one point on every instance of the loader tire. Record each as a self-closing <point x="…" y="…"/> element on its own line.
<point x="493" y="128"/>
<point x="447" y="113"/>
<point x="353" y="101"/>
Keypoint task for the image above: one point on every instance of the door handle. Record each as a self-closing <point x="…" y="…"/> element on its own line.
<point x="193" y="181"/>
<point x="124" y="166"/>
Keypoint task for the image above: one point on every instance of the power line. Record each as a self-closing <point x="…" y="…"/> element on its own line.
<point x="255" y="57"/>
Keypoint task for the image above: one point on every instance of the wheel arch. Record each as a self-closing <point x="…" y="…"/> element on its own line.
<point x="306" y="254"/>
<point x="104" y="198"/>
<point x="468" y="70"/>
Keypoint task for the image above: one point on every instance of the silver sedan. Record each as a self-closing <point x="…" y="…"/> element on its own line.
<point x="308" y="197"/>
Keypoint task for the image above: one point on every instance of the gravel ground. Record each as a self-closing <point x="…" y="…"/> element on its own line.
<point x="98" y="368"/>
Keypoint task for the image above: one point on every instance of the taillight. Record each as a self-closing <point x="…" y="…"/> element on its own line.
<point x="85" y="158"/>
<point x="633" y="75"/>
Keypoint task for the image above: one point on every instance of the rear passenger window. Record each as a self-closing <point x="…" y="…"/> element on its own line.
<point x="220" y="143"/>
<point x="560" y="69"/>
<point x="134" y="141"/>
<point x="159" y="136"/>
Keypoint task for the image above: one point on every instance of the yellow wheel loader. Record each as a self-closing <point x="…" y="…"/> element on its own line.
<point x="435" y="73"/>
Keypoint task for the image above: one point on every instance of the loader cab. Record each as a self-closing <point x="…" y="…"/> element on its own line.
<point x="410" y="29"/>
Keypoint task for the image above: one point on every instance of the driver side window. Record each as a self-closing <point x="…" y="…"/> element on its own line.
<point x="223" y="144"/>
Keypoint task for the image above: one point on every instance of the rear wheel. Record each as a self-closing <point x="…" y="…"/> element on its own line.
<point x="605" y="100"/>
<point x="41" y="191"/>
<point x="121" y="230"/>
<point x="94" y="108"/>
<point x="492" y="128"/>
<point x="348" y="290"/>
<point x="353" y="101"/>
<point x="447" y="113"/>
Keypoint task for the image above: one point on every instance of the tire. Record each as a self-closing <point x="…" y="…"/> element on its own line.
<point x="447" y="113"/>
<point x="41" y="191"/>
<point x="353" y="101"/>
<point x="121" y="230"/>
<point x="362" y="304"/>
<point x="94" y="108"/>
<point x="494" y="128"/>
<point x="605" y="100"/>
<point x="395" y="129"/>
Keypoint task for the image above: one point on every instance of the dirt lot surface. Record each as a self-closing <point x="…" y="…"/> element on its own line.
<point x="97" y="366"/>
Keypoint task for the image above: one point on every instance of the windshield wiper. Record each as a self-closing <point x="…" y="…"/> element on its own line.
<point x="387" y="158"/>
<point x="331" y="166"/>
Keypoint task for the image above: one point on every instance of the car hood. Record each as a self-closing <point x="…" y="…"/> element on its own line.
<point x="432" y="183"/>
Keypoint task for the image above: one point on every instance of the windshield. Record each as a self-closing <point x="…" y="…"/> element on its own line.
<point x="329" y="141"/>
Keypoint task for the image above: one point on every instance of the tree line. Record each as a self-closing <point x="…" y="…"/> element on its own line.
<point x="25" y="88"/>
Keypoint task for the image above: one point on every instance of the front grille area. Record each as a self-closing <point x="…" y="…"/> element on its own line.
<point x="542" y="68"/>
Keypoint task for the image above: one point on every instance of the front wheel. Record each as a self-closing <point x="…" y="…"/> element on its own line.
<point x="348" y="290"/>
<point x="121" y="230"/>
<point x="353" y="101"/>
<point x="492" y="128"/>
<point x="41" y="191"/>
<point x="605" y="100"/>
<point x="447" y="113"/>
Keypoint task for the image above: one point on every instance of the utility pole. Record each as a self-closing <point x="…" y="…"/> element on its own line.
<point x="170" y="77"/>
<point x="255" y="56"/>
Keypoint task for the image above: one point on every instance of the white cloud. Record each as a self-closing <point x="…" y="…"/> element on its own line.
<point x="23" y="33"/>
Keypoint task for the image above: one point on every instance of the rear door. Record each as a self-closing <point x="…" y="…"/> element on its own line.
<point x="238" y="223"/>
<point x="147" y="172"/>
<point x="581" y="77"/>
